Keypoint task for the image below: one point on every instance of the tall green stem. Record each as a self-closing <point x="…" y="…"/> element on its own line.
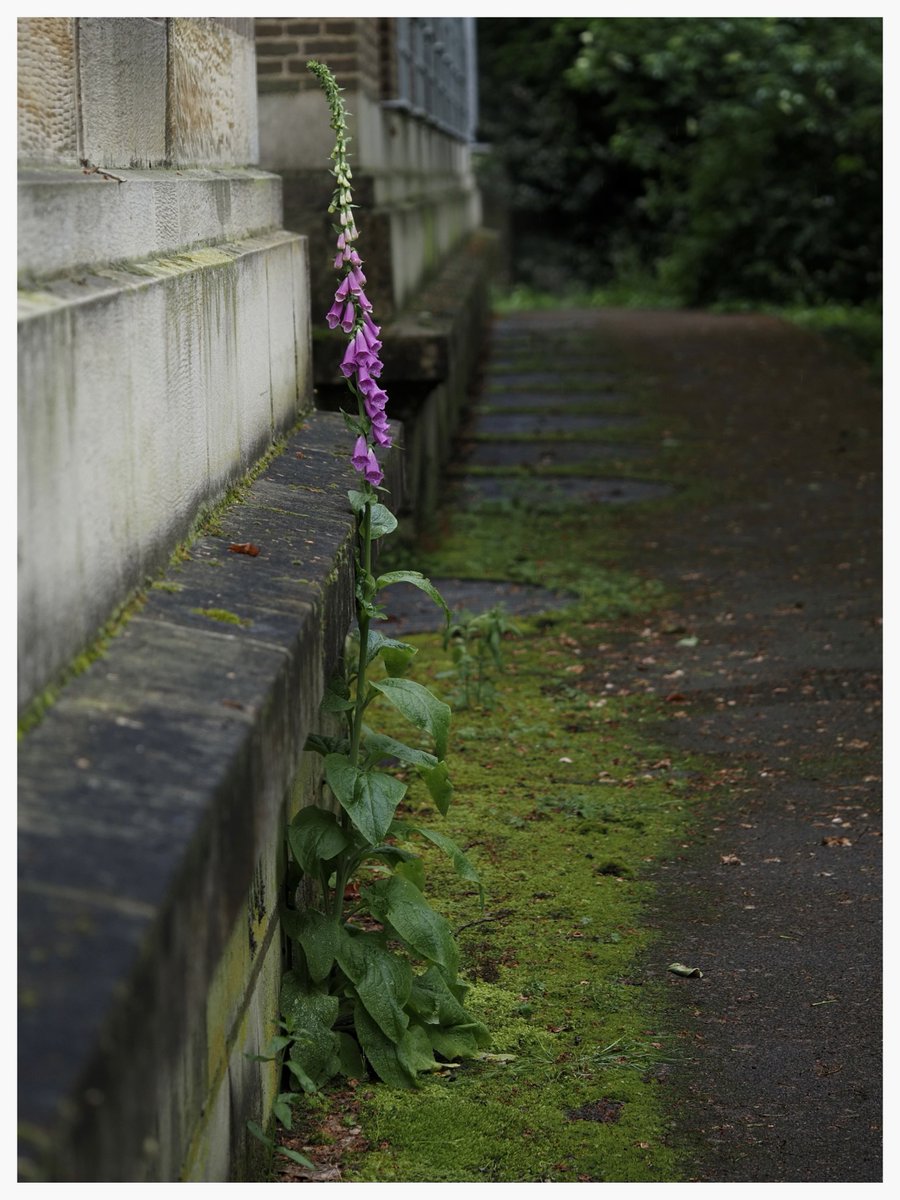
<point x="362" y="620"/>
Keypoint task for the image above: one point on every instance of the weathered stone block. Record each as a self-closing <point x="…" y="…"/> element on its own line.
<point x="212" y="98"/>
<point x="123" y="62"/>
<point x="47" y="81"/>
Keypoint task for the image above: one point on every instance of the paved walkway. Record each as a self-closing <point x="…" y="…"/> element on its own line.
<point x="771" y="440"/>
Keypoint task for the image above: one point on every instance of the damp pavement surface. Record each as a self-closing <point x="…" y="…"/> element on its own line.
<point x="767" y="533"/>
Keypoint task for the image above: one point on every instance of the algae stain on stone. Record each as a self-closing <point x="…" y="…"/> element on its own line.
<point x="223" y="616"/>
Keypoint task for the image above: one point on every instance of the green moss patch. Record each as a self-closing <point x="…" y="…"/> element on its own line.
<point x="561" y="802"/>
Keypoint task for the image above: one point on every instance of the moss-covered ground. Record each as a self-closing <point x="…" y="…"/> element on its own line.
<point x="560" y="802"/>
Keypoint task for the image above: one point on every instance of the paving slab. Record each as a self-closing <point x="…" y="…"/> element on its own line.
<point x="558" y="399"/>
<point x="559" y="490"/>
<point x="544" y="424"/>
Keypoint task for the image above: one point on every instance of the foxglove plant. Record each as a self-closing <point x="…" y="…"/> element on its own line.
<point x="373" y="980"/>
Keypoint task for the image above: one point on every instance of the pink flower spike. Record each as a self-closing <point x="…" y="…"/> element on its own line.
<point x="338" y="261"/>
<point x="341" y="242"/>
<point x="349" y="317"/>
<point x="364" y="302"/>
<point x="343" y="289"/>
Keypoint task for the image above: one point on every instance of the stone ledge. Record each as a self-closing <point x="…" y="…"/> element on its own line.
<point x="70" y="221"/>
<point x="153" y="798"/>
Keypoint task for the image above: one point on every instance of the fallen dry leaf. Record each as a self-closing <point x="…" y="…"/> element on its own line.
<point x="836" y="841"/>
<point x="244" y="548"/>
<point x="731" y="860"/>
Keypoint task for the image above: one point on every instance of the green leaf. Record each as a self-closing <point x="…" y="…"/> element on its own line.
<point x="337" y="696"/>
<point x="414" y="1051"/>
<point x="379" y="745"/>
<point x="282" y="1110"/>
<point x="381" y="1052"/>
<point x="460" y="1041"/>
<point x="319" y="938"/>
<point x="315" y="836"/>
<point x="421" y="708"/>
<point x="383" y="521"/>
<point x="358" y="500"/>
<point x="382" y="981"/>
<point x="377" y="643"/>
<point x="369" y="798"/>
<point x="320" y="744"/>
<point x="413" y="870"/>
<point x="309" y="1016"/>
<point x="397" y="662"/>
<point x="296" y="1156"/>
<point x="461" y="864"/>
<point x="305" y="1008"/>
<point x="352" y="1063"/>
<point x="432" y="1000"/>
<point x="258" y="1133"/>
<point x="407" y="911"/>
<point x="417" y="579"/>
<point x="390" y="854"/>
<point x="306" y="1083"/>
<point x="437" y="780"/>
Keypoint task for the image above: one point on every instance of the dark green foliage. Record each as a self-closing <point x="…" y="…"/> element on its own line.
<point x="729" y="158"/>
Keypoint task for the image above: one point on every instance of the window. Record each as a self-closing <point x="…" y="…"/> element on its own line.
<point x="436" y="72"/>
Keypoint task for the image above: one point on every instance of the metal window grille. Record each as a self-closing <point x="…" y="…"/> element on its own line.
<point x="436" y="78"/>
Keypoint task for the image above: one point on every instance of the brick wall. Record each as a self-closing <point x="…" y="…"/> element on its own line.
<point x="357" y="50"/>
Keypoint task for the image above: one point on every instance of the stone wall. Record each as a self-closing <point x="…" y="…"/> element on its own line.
<point x="164" y="344"/>
<point x="125" y="436"/>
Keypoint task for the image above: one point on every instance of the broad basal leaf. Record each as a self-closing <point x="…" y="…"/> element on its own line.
<point x="309" y="1016"/>
<point x="459" y="1041"/>
<point x="421" y="708"/>
<point x="319" y="937"/>
<point x="408" y="912"/>
<point x="433" y="1002"/>
<point x="414" y="1050"/>
<point x="382" y="981"/>
<point x="381" y="1051"/>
